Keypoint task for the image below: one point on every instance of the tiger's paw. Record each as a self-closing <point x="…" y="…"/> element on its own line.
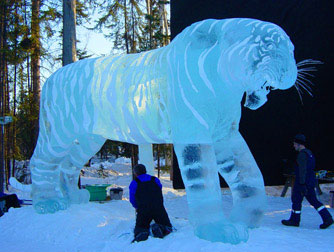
<point x="222" y="232"/>
<point x="79" y="196"/>
<point x="44" y="206"/>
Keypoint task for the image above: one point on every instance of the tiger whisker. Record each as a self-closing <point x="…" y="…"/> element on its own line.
<point x="309" y="62"/>
<point x="304" y="86"/>
<point x="307" y="69"/>
<point x="304" y="68"/>
<point x="300" y="73"/>
<point x="299" y="94"/>
<point x="304" y="79"/>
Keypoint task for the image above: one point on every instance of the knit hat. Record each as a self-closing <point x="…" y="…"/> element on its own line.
<point x="300" y="139"/>
<point x="139" y="169"/>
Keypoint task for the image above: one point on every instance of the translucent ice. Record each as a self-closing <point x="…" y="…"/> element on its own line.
<point x="187" y="93"/>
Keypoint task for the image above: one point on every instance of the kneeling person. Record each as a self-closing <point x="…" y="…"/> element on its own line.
<point x="146" y="197"/>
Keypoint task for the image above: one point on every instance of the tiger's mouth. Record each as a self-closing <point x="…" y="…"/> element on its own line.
<point x="273" y="78"/>
<point x="255" y="99"/>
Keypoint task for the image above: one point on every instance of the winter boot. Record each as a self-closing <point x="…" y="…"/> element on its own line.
<point x="157" y="230"/>
<point x="326" y="224"/>
<point x="141" y="234"/>
<point x="325" y="216"/>
<point x="294" y="219"/>
<point x="160" y="231"/>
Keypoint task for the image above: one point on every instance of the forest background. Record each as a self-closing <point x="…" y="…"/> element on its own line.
<point x="39" y="36"/>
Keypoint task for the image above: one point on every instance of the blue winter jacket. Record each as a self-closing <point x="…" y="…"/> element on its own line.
<point x="133" y="187"/>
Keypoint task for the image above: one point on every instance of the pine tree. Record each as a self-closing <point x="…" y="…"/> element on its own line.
<point x="122" y="19"/>
<point x="102" y="172"/>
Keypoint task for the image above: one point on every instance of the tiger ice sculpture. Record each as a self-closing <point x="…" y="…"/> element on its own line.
<point x="187" y="93"/>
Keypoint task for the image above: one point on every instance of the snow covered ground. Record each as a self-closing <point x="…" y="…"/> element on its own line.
<point x="107" y="226"/>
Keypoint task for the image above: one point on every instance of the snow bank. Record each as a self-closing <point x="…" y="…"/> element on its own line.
<point x="107" y="226"/>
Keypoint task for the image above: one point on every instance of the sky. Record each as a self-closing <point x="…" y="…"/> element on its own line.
<point x="94" y="42"/>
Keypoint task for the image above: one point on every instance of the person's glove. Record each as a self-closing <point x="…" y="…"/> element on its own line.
<point x="303" y="189"/>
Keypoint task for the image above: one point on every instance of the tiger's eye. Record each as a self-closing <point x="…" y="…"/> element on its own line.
<point x="270" y="46"/>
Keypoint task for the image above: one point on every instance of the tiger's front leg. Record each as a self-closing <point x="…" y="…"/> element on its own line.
<point x="239" y="169"/>
<point x="199" y="173"/>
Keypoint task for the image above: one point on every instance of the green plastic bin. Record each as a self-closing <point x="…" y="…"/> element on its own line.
<point x="97" y="192"/>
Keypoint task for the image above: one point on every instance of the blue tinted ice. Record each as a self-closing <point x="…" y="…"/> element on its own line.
<point x="188" y="93"/>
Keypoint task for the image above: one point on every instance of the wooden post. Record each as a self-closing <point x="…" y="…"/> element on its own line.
<point x="134" y="158"/>
<point x="158" y="159"/>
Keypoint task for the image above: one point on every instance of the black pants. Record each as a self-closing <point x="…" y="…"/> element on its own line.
<point x="144" y="218"/>
<point x="297" y="197"/>
<point x="8" y="201"/>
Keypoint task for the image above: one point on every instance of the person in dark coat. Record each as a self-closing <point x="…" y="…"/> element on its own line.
<point x="7" y="201"/>
<point x="146" y="197"/>
<point x="304" y="185"/>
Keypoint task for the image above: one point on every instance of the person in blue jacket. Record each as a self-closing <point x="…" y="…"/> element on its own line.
<point x="304" y="185"/>
<point x="146" y="197"/>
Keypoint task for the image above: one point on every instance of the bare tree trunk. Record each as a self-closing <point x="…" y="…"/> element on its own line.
<point x="69" y="38"/>
<point x="133" y="39"/>
<point x="171" y="161"/>
<point x="158" y="159"/>
<point x="126" y="28"/>
<point x="69" y="32"/>
<point x="134" y="157"/>
<point x="164" y="23"/>
<point x="149" y="13"/>
<point x="13" y="123"/>
<point x="35" y="58"/>
<point x="13" y="132"/>
<point x="168" y="155"/>
<point x="28" y="76"/>
<point x="28" y="59"/>
<point x="3" y="69"/>
<point x="7" y="136"/>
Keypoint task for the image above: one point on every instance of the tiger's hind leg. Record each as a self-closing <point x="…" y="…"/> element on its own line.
<point x="84" y="148"/>
<point x="45" y="190"/>
<point x="239" y="169"/>
<point x="55" y="172"/>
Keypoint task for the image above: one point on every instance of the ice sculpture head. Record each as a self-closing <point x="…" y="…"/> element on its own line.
<point x="258" y="57"/>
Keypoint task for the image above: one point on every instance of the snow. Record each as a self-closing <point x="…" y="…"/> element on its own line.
<point x="108" y="226"/>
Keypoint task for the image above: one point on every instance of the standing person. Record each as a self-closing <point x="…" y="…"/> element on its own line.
<point x="304" y="186"/>
<point x="146" y="197"/>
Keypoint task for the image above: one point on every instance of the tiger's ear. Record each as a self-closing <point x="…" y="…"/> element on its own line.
<point x="206" y="33"/>
<point x="210" y="33"/>
<point x="200" y="35"/>
<point x="203" y="39"/>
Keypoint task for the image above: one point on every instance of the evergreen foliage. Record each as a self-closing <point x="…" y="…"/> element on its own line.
<point x="102" y="172"/>
<point x="133" y="25"/>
